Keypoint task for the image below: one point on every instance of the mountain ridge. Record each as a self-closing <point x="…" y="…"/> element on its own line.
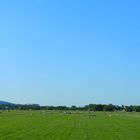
<point x="5" y="103"/>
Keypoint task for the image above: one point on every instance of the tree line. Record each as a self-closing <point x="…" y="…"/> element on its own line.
<point x="90" y="107"/>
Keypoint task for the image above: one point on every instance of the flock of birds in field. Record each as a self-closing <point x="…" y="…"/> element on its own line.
<point x="90" y="113"/>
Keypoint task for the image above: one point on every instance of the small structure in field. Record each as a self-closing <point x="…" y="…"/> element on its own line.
<point x="66" y="112"/>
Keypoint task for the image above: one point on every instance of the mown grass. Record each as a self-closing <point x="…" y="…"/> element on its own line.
<point x="38" y="125"/>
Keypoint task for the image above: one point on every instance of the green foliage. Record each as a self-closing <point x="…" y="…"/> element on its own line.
<point x="129" y="108"/>
<point x="90" y="107"/>
<point x="137" y="108"/>
<point x="109" y="107"/>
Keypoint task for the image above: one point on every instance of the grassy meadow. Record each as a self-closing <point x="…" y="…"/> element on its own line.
<point x="55" y="125"/>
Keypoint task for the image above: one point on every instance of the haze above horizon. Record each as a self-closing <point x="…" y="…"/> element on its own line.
<point x="72" y="52"/>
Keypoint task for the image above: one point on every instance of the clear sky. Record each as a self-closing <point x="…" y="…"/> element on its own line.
<point x="65" y="52"/>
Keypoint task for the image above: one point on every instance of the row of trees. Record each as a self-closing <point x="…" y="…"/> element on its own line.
<point x="90" y="107"/>
<point x="132" y="108"/>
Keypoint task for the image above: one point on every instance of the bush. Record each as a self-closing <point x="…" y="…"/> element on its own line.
<point x="109" y="107"/>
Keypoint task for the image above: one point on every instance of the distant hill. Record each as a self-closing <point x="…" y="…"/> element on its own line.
<point x="5" y="103"/>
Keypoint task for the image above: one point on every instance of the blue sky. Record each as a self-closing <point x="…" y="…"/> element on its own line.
<point x="70" y="51"/>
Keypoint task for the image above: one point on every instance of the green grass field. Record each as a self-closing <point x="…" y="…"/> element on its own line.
<point x="38" y="125"/>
